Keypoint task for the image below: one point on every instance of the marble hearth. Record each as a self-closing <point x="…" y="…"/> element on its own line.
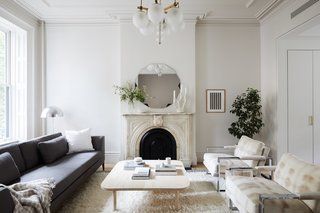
<point x="180" y="125"/>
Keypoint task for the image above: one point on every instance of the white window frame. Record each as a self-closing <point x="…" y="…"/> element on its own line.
<point x="6" y="84"/>
<point x="16" y="70"/>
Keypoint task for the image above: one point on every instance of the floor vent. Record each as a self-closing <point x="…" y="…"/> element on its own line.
<point x="303" y="8"/>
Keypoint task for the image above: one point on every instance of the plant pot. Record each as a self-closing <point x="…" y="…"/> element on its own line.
<point x="135" y="107"/>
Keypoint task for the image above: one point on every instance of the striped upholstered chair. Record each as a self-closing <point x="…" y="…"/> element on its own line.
<point x="295" y="188"/>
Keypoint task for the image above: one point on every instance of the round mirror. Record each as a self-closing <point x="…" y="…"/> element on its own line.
<point x="161" y="84"/>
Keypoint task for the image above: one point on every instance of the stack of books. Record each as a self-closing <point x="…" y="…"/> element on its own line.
<point x="141" y="173"/>
<point x="165" y="169"/>
<point x="131" y="165"/>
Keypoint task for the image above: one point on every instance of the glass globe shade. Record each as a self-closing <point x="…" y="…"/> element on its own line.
<point x="140" y="19"/>
<point x="148" y="30"/>
<point x="174" y="16"/>
<point x="155" y="13"/>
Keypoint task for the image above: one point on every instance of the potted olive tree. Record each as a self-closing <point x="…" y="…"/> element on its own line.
<point x="247" y="108"/>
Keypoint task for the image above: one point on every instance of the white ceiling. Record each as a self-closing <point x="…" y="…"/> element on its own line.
<point x="108" y="10"/>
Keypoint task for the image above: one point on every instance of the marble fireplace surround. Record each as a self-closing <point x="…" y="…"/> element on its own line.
<point x="180" y="125"/>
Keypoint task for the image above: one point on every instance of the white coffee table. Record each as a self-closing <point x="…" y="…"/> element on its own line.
<point x="120" y="180"/>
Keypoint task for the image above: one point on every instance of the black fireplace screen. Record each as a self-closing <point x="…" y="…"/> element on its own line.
<point x="158" y="144"/>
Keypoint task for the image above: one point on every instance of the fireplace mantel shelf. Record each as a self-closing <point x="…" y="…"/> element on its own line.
<point x="156" y="113"/>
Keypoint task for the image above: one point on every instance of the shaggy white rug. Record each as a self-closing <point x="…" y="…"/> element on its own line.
<point x="199" y="197"/>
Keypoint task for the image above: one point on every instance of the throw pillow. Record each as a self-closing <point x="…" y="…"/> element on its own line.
<point x="79" y="141"/>
<point x="53" y="149"/>
<point x="8" y="165"/>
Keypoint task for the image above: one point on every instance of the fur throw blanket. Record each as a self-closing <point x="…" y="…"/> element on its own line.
<point x="32" y="197"/>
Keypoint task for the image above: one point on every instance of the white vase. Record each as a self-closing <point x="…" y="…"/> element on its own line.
<point x="131" y="107"/>
<point x="135" y="107"/>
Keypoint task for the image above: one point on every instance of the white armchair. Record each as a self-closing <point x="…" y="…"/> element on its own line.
<point x="295" y="188"/>
<point x="247" y="154"/>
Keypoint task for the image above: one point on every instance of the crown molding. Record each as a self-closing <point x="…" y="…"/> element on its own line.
<point x="268" y="9"/>
<point x="84" y="20"/>
<point x="29" y="9"/>
<point x="112" y="13"/>
<point x="189" y="16"/>
<point x="18" y="11"/>
<point x="81" y="24"/>
<point x="213" y="21"/>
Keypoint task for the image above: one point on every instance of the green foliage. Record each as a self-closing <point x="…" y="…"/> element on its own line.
<point x="247" y="107"/>
<point x="131" y="93"/>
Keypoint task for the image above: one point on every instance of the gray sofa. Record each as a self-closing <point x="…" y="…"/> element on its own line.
<point x="69" y="171"/>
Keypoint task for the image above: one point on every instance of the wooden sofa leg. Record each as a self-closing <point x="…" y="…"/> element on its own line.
<point x="103" y="167"/>
<point x="218" y="185"/>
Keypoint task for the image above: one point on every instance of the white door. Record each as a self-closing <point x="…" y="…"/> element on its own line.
<point x="300" y="104"/>
<point x="316" y="78"/>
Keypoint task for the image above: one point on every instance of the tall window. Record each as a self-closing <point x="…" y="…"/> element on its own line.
<point x="3" y="87"/>
<point x="13" y="82"/>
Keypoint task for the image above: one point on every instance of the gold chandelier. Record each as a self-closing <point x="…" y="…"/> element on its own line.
<point x="159" y="19"/>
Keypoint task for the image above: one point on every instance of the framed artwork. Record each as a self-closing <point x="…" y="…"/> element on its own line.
<point x="215" y="100"/>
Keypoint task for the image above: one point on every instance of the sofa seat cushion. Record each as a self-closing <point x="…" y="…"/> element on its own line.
<point x="64" y="171"/>
<point x="244" y="192"/>
<point x="211" y="162"/>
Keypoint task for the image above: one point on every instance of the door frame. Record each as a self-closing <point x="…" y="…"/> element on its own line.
<point x="283" y="47"/>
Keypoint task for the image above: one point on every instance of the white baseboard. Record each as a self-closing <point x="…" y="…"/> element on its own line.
<point x="112" y="157"/>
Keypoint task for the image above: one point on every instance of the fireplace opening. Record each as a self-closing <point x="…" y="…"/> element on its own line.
<point x="158" y="144"/>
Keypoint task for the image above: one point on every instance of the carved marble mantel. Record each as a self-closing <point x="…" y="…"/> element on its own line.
<point x="180" y="125"/>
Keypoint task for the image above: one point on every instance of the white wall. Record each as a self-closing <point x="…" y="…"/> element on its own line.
<point x="272" y="28"/>
<point x="82" y="67"/>
<point x="84" y="62"/>
<point x="177" y="51"/>
<point x="228" y="57"/>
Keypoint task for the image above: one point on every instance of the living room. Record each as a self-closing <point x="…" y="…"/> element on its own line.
<point x="214" y="101"/>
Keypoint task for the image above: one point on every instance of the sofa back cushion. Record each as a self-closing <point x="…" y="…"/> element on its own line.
<point x="248" y="147"/>
<point x="15" y="153"/>
<point x="53" y="149"/>
<point x="298" y="176"/>
<point x="30" y="151"/>
<point x="10" y="171"/>
<point x="79" y="141"/>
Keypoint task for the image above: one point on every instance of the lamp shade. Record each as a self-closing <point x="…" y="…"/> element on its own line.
<point x="51" y="112"/>
<point x="155" y="13"/>
<point x="140" y="19"/>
